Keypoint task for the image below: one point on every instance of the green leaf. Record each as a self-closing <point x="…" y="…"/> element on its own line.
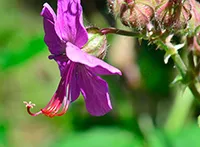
<point x="178" y="79"/>
<point x="9" y="59"/>
<point x="100" y="137"/>
<point x="189" y="136"/>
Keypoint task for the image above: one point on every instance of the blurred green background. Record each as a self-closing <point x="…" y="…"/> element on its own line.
<point x="147" y="112"/>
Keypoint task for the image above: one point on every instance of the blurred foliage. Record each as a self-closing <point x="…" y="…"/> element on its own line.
<point x="31" y="48"/>
<point x="153" y="71"/>
<point x="109" y="137"/>
<point x="140" y="112"/>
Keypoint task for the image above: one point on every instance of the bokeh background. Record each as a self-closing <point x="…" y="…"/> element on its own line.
<point x="148" y="111"/>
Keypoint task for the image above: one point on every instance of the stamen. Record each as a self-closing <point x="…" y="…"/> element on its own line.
<point x="65" y="107"/>
<point x="53" y="109"/>
<point x="67" y="99"/>
<point x="60" y="100"/>
<point x="30" y="105"/>
<point x="66" y="102"/>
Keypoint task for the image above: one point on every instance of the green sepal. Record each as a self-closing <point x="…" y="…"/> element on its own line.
<point x="178" y="79"/>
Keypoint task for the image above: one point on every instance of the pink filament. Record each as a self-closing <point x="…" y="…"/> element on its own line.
<point x="56" y="103"/>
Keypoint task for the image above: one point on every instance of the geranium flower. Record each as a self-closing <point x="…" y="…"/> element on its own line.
<point x="65" y="35"/>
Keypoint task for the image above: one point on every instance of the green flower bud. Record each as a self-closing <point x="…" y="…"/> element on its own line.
<point x="97" y="43"/>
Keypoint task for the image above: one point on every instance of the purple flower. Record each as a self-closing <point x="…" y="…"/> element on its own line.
<point x="65" y="35"/>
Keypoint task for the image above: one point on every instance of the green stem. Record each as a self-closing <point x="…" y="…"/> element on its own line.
<point x="182" y="69"/>
<point x="167" y="46"/>
<point x="177" y="115"/>
<point x="194" y="91"/>
<point x="175" y="56"/>
<point x="197" y="69"/>
<point x="194" y="70"/>
<point x="191" y="60"/>
<point x="180" y="66"/>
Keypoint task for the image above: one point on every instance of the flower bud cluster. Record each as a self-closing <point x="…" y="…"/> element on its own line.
<point x="158" y="15"/>
<point x="193" y="38"/>
<point x="173" y="14"/>
<point x="132" y="13"/>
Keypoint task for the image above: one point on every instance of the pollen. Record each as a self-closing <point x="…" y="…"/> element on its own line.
<point x="29" y="104"/>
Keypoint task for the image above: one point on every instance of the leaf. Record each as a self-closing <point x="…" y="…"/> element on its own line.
<point x="31" y="48"/>
<point x="189" y="136"/>
<point x="100" y="137"/>
<point x="178" y="79"/>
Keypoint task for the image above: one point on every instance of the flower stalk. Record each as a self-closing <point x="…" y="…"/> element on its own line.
<point x="111" y="30"/>
<point x="171" y="51"/>
<point x="185" y="73"/>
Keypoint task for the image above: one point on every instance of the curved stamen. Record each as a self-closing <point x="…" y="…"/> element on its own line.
<point x="60" y="100"/>
<point x="66" y="102"/>
<point x="30" y="105"/>
<point x="52" y="109"/>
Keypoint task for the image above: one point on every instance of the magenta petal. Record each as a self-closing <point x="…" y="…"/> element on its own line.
<point x="96" y="65"/>
<point x="62" y="62"/>
<point x="95" y="92"/>
<point x="68" y="70"/>
<point x="70" y="22"/>
<point x="58" y="102"/>
<point x="51" y="38"/>
<point x="75" y="90"/>
<point x="48" y="13"/>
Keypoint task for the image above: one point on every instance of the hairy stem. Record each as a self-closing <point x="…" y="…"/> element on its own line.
<point x="194" y="91"/>
<point x="179" y="64"/>
<point x="181" y="68"/>
<point x="168" y="47"/>
<point x="120" y="32"/>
